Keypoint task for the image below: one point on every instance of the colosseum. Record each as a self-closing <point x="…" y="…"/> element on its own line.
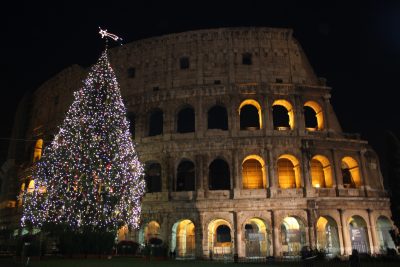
<point x="243" y="151"/>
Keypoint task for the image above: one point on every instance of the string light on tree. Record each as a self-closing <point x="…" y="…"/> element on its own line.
<point x="90" y="175"/>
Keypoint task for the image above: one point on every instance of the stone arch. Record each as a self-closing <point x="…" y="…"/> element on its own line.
<point x="351" y="173"/>
<point x="292" y="235"/>
<point x="250" y="115"/>
<point x="156" y="122"/>
<point x="282" y="115"/>
<point x="219" y="175"/>
<point x="321" y="172"/>
<point x="383" y="228"/>
<point x="31" y="186"/>
<point x="148" y="231"/>
<point x="185" y="121"/>
<point x="288" y="172"/>
<point x="183" y="238"/>
<point x="254" y="175"/>
<point x="257" y="238"/>
<point x="37" y="152"/>
<point x="185" y="176"/>
<point x="153" y="176"/>
<point x="220" y="243"/>
<point x="313" y="116"/>
<point x="358" y="234"/>
<point x="217" y="118"/>
<point x="328" y="236"/>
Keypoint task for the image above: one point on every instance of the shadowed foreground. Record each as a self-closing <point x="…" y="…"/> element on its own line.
<point x="129" y="262"/>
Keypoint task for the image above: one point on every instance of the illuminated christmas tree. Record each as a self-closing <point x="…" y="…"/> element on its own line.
<point x="90" y="175"/>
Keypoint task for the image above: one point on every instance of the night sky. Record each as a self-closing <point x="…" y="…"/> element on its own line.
<point x="356" y="47"/>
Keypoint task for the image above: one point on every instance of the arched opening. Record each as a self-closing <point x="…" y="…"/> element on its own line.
<point x="132" y="123"/>
<point x="383" y="228"/>
<point x="37" y="153"/>
<point x="186" y="120"/>
<point x="313" y="116"/>
<point x="256" y="239"/>
<point x="327" y="236"/>
<point x="282" y="115"/>
<point x="293" y="236"/>
<point x="150" y="233"/>
<point x="156" y="122"/>
<point x="183" y="239"/>
<point x="153" y="177"/>
<point x="31" y="186"/>
<point x="219" y="175"/>
<point x="321" y="172"/>
<point x="253" y="172"/>
<point x="122" y="233"/>
<point x="351" y="173"/>
<point x="250" y="115"/>
<point x="220" y="239"/>
<point x="288" y="172"/>
<point x="185" y="178"/>
<point x="217" y="118"/>
<point x="358" y="234"/>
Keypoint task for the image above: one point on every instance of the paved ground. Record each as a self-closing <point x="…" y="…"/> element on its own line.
<point x="131" y="262"/>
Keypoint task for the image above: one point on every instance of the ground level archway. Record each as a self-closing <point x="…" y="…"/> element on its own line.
<point x="327" y="236"/>
<point x="358" y="234"/>
<point x="183" y="239"/>
<point x="293" y="236"/>
<point x="220" y="239"/>
<point x="257" y="239"/>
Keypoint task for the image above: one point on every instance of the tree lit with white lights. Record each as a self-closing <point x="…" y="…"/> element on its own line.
<point x="90" y="175"/>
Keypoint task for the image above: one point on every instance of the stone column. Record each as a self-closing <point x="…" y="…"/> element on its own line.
<point x="235" y="171"/>
<point x="275" y="235"/>
<point x="311" y="228"/>
<point x="374" y="245"/>
<point x="325" y="112"/>
<point x="199" y="172"/>
<point x="337" y="170"/>
<point x="299" y="123"/>
<point x="269" y="120"/>
<point x="199" y="239"/>
<point x="272" y="177"/>
<point x="305" y="160"/>
<point x="363" y="171"/>
<point x="346" y="235"/>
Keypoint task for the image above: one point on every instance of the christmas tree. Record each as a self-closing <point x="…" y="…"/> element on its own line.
<point x="90" y="175"/>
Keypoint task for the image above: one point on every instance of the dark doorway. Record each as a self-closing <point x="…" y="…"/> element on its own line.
<point x="219" y="175"/>
<point x="153" y="177"/>
<point x="249" y="118"/>
<point x="186" y="120"/>
<point x="218" y="118"/>
<point x="156" y="122"/>
<point x="310" y="118"/>
<point x="280" y="117"/>
<point x="185" y="180"/>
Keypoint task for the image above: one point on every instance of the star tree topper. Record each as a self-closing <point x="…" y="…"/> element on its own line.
<point x="105" y="34"/>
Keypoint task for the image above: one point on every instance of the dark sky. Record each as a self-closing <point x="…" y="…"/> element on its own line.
<point x="355" y="46"/>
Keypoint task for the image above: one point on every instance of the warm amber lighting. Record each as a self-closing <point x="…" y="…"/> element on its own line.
<point x="321" y="173"/>
<point x="253" y="172"/>
<point x="288" y="172"/>
<point x="185" y="238"/>
<point x="212" y="234"/>
<point x="351" y="165"/>
<point x="255" y="104"/>
<point x="31" y="186"/>
<point x="37" y="153"/>
<point x="286" y="104"/>
<point x="123" y="233"/>
<point x="151" y="230"/>
<point x="318" y="113"/>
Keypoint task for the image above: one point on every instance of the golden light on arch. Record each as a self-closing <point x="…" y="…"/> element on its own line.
<point x="286" y="104"/>
<point x="37" y="153"/>
<point x="318" y="113"/>
<point x="288" y="172"/>
<point x="254" y="175"/>
<point x="255" y="104"/>
<point x="321" y="172"/>
<point x="291" y="223"/>
<point x="31" y="186"/>
<point x="212" y="231"/>
<point x="352" y="165"/>
<point x="152" y="229"/>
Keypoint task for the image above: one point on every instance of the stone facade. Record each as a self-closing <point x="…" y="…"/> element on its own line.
<point x="243" y="72"/>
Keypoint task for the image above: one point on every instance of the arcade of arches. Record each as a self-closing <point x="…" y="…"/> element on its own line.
<point x="254" y="237"/>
